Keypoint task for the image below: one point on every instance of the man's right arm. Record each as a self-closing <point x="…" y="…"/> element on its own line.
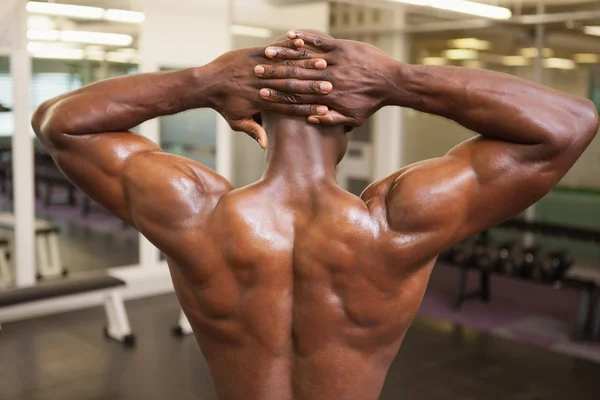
<point x="531" y="136"/>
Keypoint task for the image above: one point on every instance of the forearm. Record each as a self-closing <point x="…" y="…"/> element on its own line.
<point x="496" y="105"/>
<point x="120" y="104"/>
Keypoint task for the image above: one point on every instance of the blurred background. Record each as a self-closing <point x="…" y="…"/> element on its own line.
<point x="533" y="281"/>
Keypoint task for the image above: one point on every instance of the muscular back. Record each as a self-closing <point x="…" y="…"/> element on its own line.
<point x="298" y="295"/>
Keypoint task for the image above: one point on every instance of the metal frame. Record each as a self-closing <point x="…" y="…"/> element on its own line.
<point x="183" y="327"/>
<point x="118" y="327"/>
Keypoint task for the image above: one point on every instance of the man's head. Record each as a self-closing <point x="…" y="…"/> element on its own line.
<point x="277" y="123"/>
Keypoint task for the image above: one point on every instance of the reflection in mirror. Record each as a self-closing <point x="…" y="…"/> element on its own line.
<point x="191" y="134"/>
<point x="77" y="234"/>
<point x="7" y="273"/>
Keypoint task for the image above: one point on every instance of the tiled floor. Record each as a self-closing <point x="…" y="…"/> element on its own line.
<point x="65" y="357"/>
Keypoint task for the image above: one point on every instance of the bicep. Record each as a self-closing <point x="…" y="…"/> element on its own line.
<point x="477" y="185"/>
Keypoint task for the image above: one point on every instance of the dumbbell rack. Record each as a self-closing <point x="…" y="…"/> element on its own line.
<point x="589" y="289"/>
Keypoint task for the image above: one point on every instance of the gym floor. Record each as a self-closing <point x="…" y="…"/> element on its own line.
<point x="66" y="357"/>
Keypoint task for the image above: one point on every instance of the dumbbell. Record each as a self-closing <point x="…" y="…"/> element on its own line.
<point x="462" y="253"/>
<point x="559" y="262"/>
<point x="529" y="262"/>
<point x="485" y="252"/>
<point x="487" y="257"/>
<point x="508" y="255"/>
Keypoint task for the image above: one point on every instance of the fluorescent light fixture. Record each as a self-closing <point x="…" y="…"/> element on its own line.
<point x="434" y="61"/>
<point x="472" y="8"/>
<point x="132" y="17"/>
<point x="109" y="39"/>
<point x="592" y="30"/>
<point x="40" y="22"/>
<point x="587" y="58"/>
<point x="559" y="63"/>
<point x="58" y="53"/>
<point x="463" y="6"/>
<point x="470" y="43"/>
<point x="415" y="2"/>
<point x="532" y="52"/>
<point x="65" y="10"/>
<point x="461" y="54"/>
<point x="43" y="34"/>
<point x="243" y="30"/>
<point x="515" y="61"/>
<point x="41" y="46"/>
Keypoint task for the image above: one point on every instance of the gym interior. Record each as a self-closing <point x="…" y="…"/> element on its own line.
<point x="87" y="309"/>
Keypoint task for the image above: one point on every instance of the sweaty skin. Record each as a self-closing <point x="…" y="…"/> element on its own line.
<point x="296" y="289"/>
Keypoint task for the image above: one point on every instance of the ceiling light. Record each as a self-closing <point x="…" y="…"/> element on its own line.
<point x="470" y="43"/>
<point x="243" y="30"/>
<point x="532" y="52"/>
<point x="66" y="10"/>
<point x="592" y="30"/>
<point x="58" y="53"/>
<point x="415" y="2"/>
<point x="109" y="39"/>
<point x="41" y="46"/>
<point x="461" y="54"/>
<point x="434" y="61"/>
<point x="559" y="63"/>
<point x="515" y="61"/>
<point x="43" y="34"/>
<point x="40" y="22"/>
<point x="463" y="6"/>
<point x="132" y="17"/>
<point x="470" y="7"/>
<point x="587" y="58"/>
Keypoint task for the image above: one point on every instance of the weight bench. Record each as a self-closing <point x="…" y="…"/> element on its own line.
<point x="5" y="272"/>
<point x="586" y="289"/>
<point x="49" y="263"/>
<point x="117" y="327"/>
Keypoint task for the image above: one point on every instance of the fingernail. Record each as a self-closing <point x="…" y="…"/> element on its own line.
<point x="265" y="92"/>
<point x="314" y="120"/>
<point x="292" y="35"/>
<point x="321" y="64"/>
<point x="299" y="43"/>
<point x="271" y="52"/>
<point x="322" y="110"/>
<point x="258" y="70"/>
<point x="326" y="86"/>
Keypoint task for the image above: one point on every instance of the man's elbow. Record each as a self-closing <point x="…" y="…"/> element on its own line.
<point x="44" y="122"/>
<point x="589" y="119"/>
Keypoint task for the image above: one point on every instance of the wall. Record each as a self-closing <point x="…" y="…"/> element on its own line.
<point x="262" y="14"/>
<point x="429" y="136"/>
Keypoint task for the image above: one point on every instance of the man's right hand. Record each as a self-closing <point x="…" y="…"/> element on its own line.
<point x="363" y="78"/>
<point x="231" y="88"/>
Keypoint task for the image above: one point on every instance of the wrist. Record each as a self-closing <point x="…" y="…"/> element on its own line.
<point x="401" y="82"/>
<point x="201" y="80"/>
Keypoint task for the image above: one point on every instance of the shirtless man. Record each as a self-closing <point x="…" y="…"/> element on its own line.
<point x="295" y="288"/>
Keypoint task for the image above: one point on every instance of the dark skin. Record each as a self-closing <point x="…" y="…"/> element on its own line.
<point x="295" y="288"/>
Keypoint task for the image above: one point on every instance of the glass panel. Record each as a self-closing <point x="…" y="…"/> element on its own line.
<point x="7" y="272"/>
<point x="89" y="237"/>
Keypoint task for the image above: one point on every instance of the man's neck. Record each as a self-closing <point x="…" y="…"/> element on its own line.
<point x="300" y="153"/>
